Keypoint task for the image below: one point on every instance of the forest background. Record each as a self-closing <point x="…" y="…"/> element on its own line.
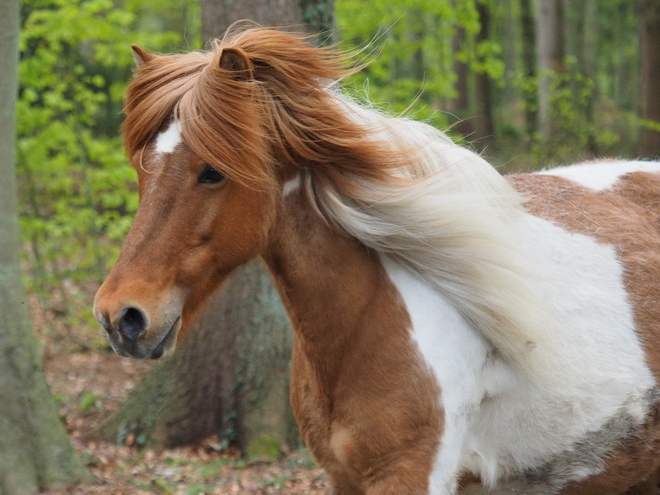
<point x="529" y="85"/>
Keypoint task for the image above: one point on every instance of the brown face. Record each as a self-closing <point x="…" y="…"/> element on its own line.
<point x="193" y="226"/>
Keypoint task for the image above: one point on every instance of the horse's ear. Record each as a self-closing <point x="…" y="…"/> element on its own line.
<point x="141" y="56"/>
<point x="237" y="62"/>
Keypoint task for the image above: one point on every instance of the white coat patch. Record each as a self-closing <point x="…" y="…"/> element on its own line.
<point x="601" y="175"/>
<point x="497" y="422"/>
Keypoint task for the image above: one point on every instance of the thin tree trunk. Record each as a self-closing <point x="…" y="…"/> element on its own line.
<point x="589" y="46"/>
<point x="484" y="127"/>
<point x="529" y="63"/>
<point x="650" y="75"/>
<point x="418" y="68"/>
<point x="312" y="16"/>
<point x="230" y="376"/>
<point x="550" y="49"/>
<point x="34" y="450"/>
<point x="461" y="105"/>
<point x="509" y="94"/>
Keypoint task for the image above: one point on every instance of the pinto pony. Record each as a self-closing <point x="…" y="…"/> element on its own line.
<point x="452" y="326"/>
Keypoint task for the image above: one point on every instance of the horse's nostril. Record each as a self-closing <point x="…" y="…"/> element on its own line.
<point x="133" y="323"/>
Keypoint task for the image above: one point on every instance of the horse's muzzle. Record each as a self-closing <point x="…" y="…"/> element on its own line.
<point x="129" y="336"/>
<point x="143" y="330"/>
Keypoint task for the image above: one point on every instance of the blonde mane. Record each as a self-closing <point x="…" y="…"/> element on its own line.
<point x="450" y="217"/>
<point x="401" y="187"/>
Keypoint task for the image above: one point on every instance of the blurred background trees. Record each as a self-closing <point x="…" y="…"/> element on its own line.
<point x="528" y="83"/>
<point x="649" y="13"/>
<point x="35" y="452"/>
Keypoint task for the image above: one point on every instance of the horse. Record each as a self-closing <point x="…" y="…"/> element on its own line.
<point x="453" y="327"/>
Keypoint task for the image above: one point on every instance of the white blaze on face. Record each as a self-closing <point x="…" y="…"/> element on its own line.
<point x="163" y="144"/>
<point x="168" y="140"/>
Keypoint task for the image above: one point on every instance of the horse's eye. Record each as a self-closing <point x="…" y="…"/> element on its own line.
<point x="210" y="176"/>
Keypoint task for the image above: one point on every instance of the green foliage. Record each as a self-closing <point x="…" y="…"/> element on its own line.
<point x="319" y="14"/>
<point x="135" y="432"/>
<point x="77" y="191"/>
<point x="199" y="489"/>
<point x="163" y="486"/>
<point x="649" y="124"/>
<point x="87" y="402"/>
<point x="580" y="128"/>
<point x="412" y="51"/>
<point x="264" y="447"/>
<point x="304" y="460"/>
<point x="210" y="471"/>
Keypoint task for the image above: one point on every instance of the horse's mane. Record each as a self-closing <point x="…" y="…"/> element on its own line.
<point x="399" y="186"/>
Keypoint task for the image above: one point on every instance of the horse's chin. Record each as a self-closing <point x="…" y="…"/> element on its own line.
<point x="155" y="347"/>
<point x="166" y="346"/>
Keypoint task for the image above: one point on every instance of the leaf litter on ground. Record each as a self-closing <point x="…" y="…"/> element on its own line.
<point x="89" y="386"/>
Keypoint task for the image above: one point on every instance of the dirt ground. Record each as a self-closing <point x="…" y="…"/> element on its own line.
<point x="89" y="383"/>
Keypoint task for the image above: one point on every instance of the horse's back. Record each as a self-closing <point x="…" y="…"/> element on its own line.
<point x="636" y="181"/>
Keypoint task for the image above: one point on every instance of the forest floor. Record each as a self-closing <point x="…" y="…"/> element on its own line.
<point x="89" y="383"/>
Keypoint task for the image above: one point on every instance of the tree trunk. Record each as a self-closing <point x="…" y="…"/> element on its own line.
<point x="484" y="128"/>
<point x="529" y="64"/>
<point x="550" y="49"/>
<point x="461" y="104"/>
<point x="34" y="449"/>
<point x="314" y="16"/>
<point x="231" y="374"/>
<point x="650" y="76"/>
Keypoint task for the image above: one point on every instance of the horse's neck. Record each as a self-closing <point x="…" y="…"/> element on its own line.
<point x="335" y="289"/>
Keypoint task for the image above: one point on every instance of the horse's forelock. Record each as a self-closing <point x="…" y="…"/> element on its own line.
<point x="282" y="113"/>
<point x="153" y="95"/>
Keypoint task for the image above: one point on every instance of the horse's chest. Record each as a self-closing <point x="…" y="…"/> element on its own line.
<point x="360" y="429"/>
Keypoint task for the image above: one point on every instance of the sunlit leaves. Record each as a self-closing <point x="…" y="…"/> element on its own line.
<point x="411" y="50"/>
<point x="77" y="191"/>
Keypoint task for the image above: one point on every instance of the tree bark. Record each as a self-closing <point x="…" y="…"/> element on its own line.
<point x="589" y="45"/>
<point x="313" y="16"/>
<point x="230" y="376"/>
<point x="34" y="449"/>
<point x="484" y="128"/>
<point x="550" y="49"/>
<point x="650" y="75"/>
<point x="461" y="104"/>
<point x="529" y="64"/>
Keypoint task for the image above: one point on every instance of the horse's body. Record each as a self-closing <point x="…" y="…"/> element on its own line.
<point x="451" y="326"/>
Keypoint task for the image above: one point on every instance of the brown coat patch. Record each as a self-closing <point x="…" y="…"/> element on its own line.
<point x="626" y="217"/>
<point x="364" y="400"/>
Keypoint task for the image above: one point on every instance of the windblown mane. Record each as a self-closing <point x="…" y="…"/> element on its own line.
<point x="399" y="186"/>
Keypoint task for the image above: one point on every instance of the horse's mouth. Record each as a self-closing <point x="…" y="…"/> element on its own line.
<point x="137" y="350"/>
<point x="166" y="345"/>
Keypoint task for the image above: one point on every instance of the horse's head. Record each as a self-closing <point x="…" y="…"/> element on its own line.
<point x="193" y="226"/>
<point x="213" y="137"/>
